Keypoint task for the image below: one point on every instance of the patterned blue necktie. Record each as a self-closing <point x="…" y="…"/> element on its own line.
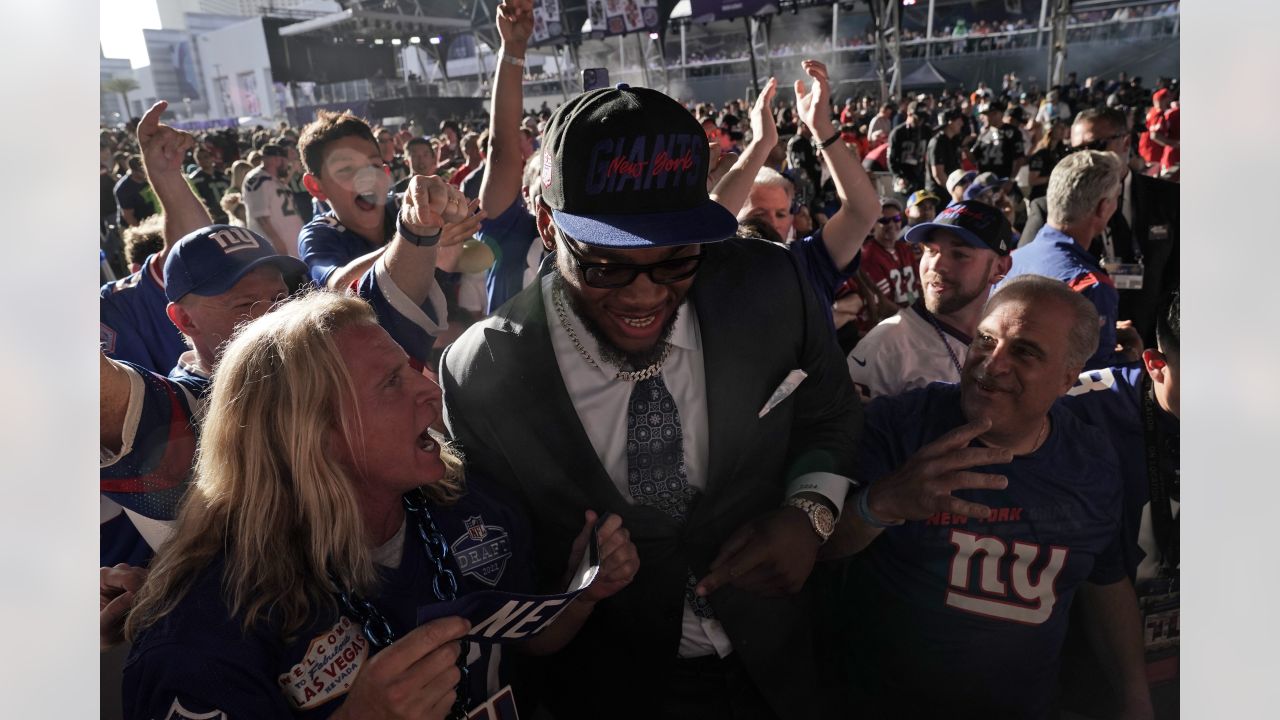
<point x="656" y="474"/>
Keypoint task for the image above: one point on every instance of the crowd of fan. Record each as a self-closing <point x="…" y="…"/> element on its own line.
<point x="979" y="385"/>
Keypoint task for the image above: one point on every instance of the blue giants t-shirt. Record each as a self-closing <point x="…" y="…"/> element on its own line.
<point x="132" y="323"/>
<point x="198" y="660"/>
<point x="960" y="617"/>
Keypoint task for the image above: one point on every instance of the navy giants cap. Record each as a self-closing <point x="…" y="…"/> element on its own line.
<point x="626" y="168"/>
<point x="211" y="260"/>
<point x="978" y="224"/>
<point x="983" y="183"/>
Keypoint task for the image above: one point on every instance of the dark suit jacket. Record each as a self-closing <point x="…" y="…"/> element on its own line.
<point x="506" y="404"/>
<point x="1155" y="206"/>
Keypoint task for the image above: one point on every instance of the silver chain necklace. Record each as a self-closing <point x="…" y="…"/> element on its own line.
<point x="655" y="368"/>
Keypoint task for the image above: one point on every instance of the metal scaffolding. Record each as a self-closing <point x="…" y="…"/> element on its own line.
<point x="1058" y="41"/>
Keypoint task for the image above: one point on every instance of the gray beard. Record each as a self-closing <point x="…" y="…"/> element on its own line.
<point x="609" y="352"/>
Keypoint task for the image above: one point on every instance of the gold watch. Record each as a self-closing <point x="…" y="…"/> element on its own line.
<point x="821" y="519"/>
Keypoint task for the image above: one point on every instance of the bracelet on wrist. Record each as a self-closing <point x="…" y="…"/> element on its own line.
<point x="829" y="141"/>
<point x="864" y="512"/>
<point x="511" y="59"/>
<point x="416" y="239"/>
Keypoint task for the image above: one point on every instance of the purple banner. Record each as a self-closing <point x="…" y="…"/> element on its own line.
<point x="710" y="10"/>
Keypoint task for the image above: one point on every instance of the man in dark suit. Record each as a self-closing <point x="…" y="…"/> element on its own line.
<point x="1144" y="226"/>
<point x="685" y="381"/>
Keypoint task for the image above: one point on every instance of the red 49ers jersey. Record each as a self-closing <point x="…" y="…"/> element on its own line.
<point x="894" y="273"/>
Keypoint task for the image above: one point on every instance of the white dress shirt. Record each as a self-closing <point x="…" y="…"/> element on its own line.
<point x="601" y="402"/>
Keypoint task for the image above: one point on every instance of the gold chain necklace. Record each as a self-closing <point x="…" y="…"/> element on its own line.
<point x="557" y="297"/>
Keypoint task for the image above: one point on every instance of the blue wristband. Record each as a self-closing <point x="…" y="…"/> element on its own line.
<point x="864" y="512"/>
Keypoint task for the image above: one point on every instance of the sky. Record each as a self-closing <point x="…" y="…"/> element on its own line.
<point x="121" y="27"/>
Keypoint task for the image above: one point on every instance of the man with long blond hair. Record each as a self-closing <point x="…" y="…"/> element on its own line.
<point x="323" y="505"/>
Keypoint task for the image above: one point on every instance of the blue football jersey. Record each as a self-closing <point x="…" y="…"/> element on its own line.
<point x="325" y="244"/>
<point x="199" y="659"/>
<point x="148" y="475"/>
<point x="132" y="322"/>
<point x="960" y="617"/>
<point x="1110" y="399"/>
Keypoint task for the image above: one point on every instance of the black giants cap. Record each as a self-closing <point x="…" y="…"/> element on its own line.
<point x="977" y="223"/>
<point x="626" y="168"/>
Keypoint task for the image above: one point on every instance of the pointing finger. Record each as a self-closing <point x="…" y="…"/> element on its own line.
<point x="150" y="121"/>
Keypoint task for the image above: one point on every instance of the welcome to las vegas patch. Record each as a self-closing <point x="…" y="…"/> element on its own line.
<point x="327" y="670"/>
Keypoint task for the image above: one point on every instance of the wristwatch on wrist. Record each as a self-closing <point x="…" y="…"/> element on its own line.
<point x="419" y="240"/>
<point x="821" y="519"/>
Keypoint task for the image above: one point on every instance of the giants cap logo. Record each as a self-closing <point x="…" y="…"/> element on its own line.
<point x="234" y="239"/>
<point x="645" y="162"/>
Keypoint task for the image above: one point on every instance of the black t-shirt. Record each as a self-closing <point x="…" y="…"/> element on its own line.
<point x="996" y="151"/>
<point x="943" y="151"/>
<point x="211" y="187"/>
<point x="136" y="196"/>
<point x="1043" y="161"/>
<point x="301" y="198"/>
<point x="107" y="195"/>
<point x="802" y="156"/>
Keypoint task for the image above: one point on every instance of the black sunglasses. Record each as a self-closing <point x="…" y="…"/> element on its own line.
<point x="889" y="219"/>
<point x="615" y="275"/>
<point x="1100" y="144"/>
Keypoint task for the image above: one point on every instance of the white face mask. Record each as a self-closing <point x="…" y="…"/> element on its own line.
<point x="369" y="183"/>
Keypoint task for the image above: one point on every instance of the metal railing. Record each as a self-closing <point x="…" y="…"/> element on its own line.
<point x="862" y="50"/>
<point x="857" y="50"/>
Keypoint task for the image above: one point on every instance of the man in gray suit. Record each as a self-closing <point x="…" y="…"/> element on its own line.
<point x="684" y="381"/>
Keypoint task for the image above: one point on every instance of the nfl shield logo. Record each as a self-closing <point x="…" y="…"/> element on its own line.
<point x="482" y="552"/>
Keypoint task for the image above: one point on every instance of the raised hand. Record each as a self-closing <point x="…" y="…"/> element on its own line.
<point x="764" y="128"/>
<point x="619" y="560"/>
<point x="814" y="106"/>
<point x="430" y="204"/>
<point x="456" y="233"/>
<point x="925" y="483"/>
<point x="163" y="148"/>
<point x="515" y="24"/>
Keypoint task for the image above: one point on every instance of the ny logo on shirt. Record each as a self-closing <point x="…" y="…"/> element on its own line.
<point x="1034" y="600"/>
<point x="234" y="239"/>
